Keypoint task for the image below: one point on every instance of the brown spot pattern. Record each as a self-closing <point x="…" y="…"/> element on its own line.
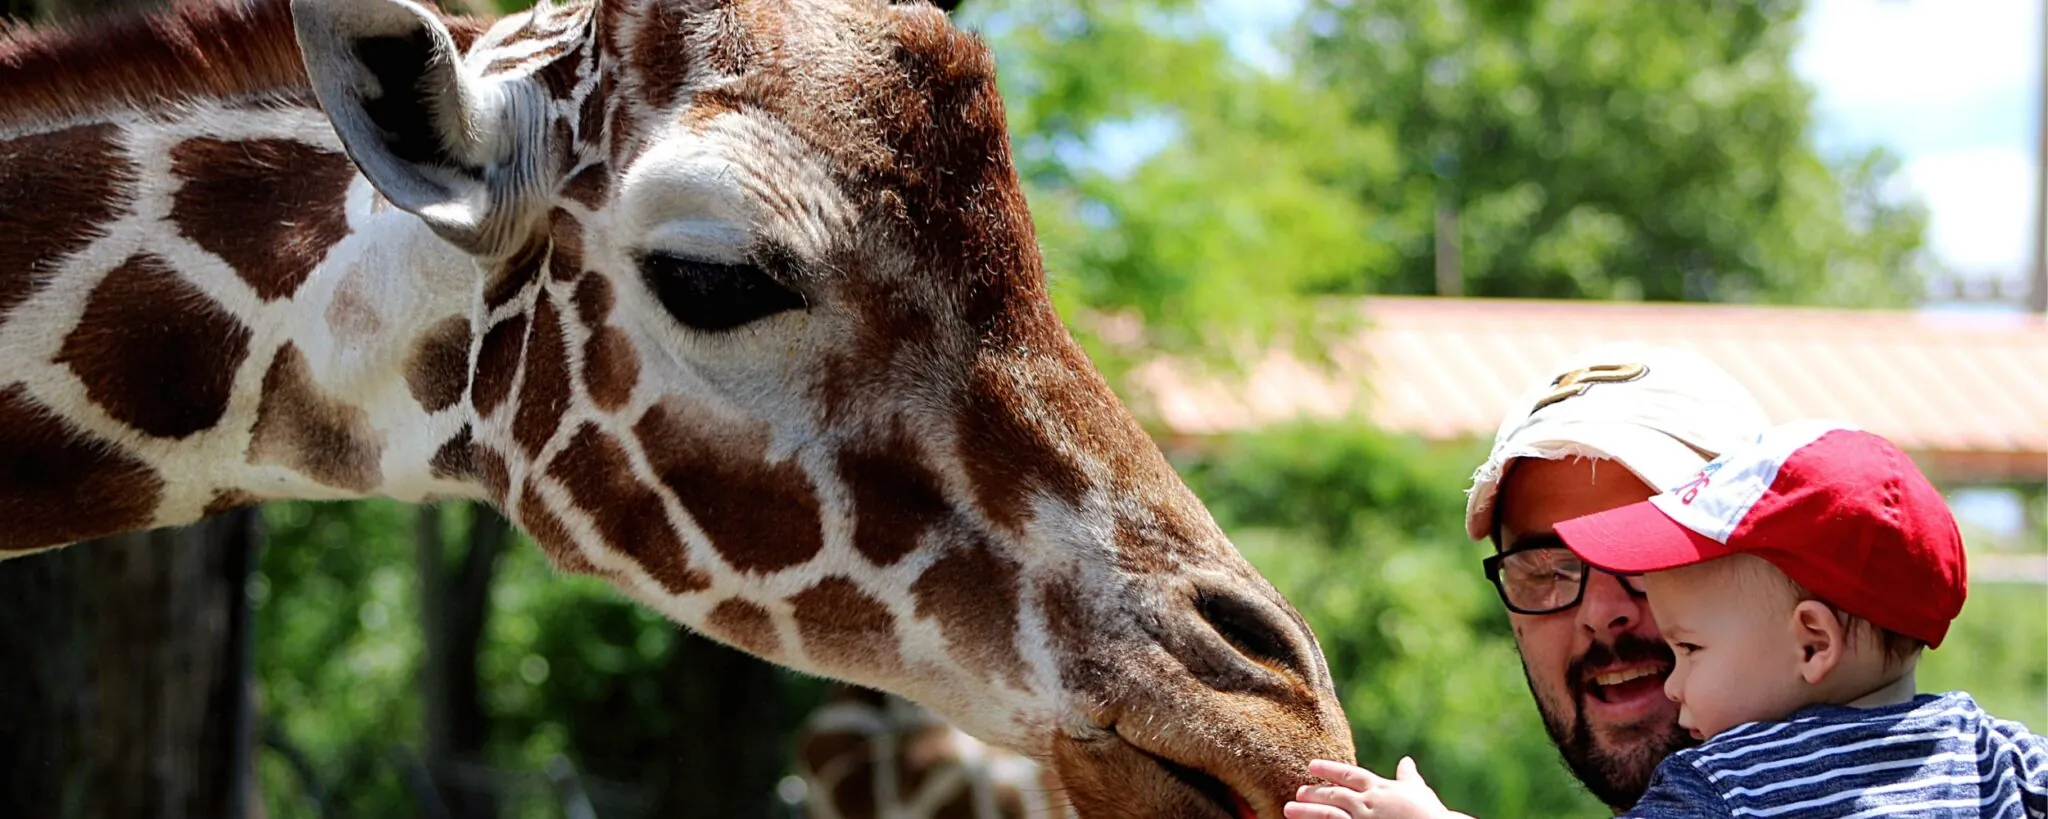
<point x="895" y="499"/>
<point x="823" y="748"/>
<point x="843" y="628"/>
<point x="497" y="365"/>
<point x="60" y="484"/>
<point x="516" y="274"/>
<point x="56" y="191"/>
<point x="349" y="314"/>
<point x="593" y="300"/>
<point x="544" y="395"/>
<point x="456" y="459"/>
<point x="1069" y="633"/>
<point x="1007" y="458"/>
<point x="972" y="593"/>
<point x="155" y="352"/>
<point x="624" y="137"/>
<point x="761" y="517"/>
<point x="891" y="327"/>
<point x="437" y="368"/>
<point x="923" y="752"/>
<point x="590" y="186"/>
<point x="270" y="208"/>
<point x="567" y="262"/>
<point x="746" y="625"/>
<point x="491" y="469"/>
<point x="610" y="370"/>
<point x="590" y="114"/>
<point x="553" y="537"/>
<point x="302" y="428"/>
<point x="595" y="470"/>
<point x="660" y="56"/>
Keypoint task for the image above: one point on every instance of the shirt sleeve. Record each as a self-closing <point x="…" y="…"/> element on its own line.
<point x="1678" y="791"/>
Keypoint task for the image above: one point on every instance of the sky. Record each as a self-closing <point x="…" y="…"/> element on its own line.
<point x="1947" y="85"/>
<point x="1950" y="87"/>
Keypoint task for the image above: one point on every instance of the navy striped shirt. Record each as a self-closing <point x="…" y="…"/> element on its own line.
<point x="1938" y="755"/>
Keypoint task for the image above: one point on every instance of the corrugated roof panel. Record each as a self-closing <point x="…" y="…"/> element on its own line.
<point x="1953" y="385"/>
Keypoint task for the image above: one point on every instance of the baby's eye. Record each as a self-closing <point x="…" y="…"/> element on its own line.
<point x="1685" y="648"/>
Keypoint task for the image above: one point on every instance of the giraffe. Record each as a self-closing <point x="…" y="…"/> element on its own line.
<point x="733" y="304"/>
<point x="867" y="755"/>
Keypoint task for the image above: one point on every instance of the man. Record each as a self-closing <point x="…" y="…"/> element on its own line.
<point x="1610" y="426"/>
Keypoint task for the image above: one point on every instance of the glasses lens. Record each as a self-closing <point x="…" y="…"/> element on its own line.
<point x="1540" y="580"/>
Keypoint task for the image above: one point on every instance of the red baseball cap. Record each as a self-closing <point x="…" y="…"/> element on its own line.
<point x="1841" y="511"/>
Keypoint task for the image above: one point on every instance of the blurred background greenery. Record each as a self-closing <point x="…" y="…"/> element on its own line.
<point x="1584" y="150"/>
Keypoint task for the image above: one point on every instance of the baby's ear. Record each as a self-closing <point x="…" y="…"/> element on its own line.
<point x="1821" y="638"/>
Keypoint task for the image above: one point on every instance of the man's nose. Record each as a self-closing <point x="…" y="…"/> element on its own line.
<point x="1607" y="607"/>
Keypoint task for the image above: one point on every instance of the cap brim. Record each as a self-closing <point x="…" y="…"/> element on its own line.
<point x="1659" y="460"/>
<point x="1637" y="538"/>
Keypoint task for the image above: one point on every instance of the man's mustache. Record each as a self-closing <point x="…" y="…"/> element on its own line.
<point x="1627" y="648"/>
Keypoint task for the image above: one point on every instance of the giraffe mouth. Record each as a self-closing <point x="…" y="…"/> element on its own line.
<point x="1226" y="800"/>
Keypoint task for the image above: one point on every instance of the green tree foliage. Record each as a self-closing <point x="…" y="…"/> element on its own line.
<point x="1635" y="151"/>
<point x="1172" y="183"/>
<point x="337" y="645"/>
<point x="1652" y="151"/>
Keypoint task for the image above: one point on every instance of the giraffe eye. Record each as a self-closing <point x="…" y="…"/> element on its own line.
<point x="714" y="297"/>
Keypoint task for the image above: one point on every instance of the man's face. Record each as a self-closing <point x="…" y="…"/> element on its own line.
<point x="1597" y="669"/>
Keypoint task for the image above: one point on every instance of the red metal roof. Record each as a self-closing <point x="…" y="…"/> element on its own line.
<point x="1965" y="391"/>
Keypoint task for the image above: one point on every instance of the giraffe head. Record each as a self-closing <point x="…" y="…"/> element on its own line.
<point x="761" y="336"/>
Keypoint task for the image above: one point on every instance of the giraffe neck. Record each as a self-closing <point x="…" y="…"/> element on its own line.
<point x="213" y="308"/>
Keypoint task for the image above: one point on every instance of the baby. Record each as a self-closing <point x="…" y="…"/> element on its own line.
<point x="1797" y="581"/>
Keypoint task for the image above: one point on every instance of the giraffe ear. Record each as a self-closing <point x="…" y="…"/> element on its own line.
<point x="432" y="138"/>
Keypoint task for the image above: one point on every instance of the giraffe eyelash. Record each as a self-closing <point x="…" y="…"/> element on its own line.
<point x="714" y="297"/>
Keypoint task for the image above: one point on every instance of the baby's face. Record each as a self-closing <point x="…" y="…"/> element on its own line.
<point x="1737" y="652"/>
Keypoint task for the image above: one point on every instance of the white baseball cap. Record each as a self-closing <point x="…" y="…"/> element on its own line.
<point x="1661" y="412"/>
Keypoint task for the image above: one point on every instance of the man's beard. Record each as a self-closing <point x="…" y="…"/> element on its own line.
<point x="1618" y="776"/>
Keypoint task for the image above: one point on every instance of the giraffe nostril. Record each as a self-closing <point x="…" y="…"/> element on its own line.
<point x="1256" y="631"/>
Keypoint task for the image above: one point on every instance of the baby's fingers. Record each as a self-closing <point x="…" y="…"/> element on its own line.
<point x="1338" y="773"/>
<point x="1304" y="810"/>
<point x="1336" y="796"/>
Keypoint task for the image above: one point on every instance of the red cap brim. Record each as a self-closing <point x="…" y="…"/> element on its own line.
<point x="1637" y="538"/>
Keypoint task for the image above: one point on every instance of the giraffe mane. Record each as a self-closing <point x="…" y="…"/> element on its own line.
<point x="240" y="49"/>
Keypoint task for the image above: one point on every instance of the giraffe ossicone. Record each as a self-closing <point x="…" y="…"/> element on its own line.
<point x="735" y="304"/>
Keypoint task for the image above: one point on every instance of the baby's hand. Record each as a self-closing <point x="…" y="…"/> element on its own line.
<point x="1357" y="792"/>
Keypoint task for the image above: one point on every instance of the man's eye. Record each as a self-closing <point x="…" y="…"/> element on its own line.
<point x="1540" y="567"/>
<point x="713" y="297"/>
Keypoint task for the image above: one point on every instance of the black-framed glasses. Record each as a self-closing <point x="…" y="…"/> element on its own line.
<point x="1546" y="579"/>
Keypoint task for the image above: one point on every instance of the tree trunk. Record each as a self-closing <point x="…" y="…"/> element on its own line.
<point x="733" y="745"/>
<point x="453" y="610"/>
<point x="125" y="689"/>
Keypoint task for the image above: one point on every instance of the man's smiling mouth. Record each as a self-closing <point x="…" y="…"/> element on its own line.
<point x="1625" y="684"/>
<point x="1619" y="677"/>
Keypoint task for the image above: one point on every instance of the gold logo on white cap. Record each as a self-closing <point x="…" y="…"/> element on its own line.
<point x="1578" y="381"/>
